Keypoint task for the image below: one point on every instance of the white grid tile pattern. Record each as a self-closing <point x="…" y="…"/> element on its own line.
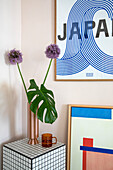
<point x="19" y="155"/>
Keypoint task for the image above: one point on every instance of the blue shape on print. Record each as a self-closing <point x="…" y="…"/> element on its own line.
<point x="98" y="113"/>
<point x="94" y="149"/>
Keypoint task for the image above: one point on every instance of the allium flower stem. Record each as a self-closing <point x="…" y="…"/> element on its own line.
<point x="47" y="72"/>
<point x="22" y="79"/>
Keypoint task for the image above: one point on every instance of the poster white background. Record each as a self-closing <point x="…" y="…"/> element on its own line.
<point x="104" y="43"/>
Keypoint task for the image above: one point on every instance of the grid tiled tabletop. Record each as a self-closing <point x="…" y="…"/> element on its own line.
<point x="19" y="155"/>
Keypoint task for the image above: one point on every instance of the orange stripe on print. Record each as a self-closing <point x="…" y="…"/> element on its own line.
<point x="86" y="142"/>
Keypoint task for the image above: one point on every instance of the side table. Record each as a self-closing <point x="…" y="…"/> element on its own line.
<point x="19" y="155"/>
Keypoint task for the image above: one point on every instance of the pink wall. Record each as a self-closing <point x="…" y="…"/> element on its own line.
<point x="38" y="32"/>
<point x="11" y="126"/>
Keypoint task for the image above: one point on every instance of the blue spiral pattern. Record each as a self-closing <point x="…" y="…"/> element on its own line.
<point x="80" y="53"/>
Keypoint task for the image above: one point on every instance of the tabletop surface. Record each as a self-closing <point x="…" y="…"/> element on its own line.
<point x="31" y="151"/>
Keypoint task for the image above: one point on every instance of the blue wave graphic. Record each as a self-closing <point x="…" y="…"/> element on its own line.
<point x="80" y="53"/>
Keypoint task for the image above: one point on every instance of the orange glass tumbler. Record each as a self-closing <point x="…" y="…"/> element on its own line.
<point x="47" y="140"/>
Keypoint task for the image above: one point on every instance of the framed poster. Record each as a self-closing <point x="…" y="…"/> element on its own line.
<point x="90" y="139"/>
<point x="84" y="33"/>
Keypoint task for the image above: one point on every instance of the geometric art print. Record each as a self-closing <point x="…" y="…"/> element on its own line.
<point x="91" y="138"/>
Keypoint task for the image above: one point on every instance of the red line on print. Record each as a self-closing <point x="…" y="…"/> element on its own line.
<point x="86" y="142"/>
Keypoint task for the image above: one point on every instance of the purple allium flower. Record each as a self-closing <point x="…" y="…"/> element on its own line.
<point x="52" y="51"/>
<point x="15" y="56"/>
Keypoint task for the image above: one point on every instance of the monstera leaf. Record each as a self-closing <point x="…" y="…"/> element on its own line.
<point x="43" y="99"/>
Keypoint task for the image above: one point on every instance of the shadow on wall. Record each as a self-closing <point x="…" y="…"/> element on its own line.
<point x="8" y="101"/>
<point x="63" y="123"/>
<point x="6" y="58"/>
